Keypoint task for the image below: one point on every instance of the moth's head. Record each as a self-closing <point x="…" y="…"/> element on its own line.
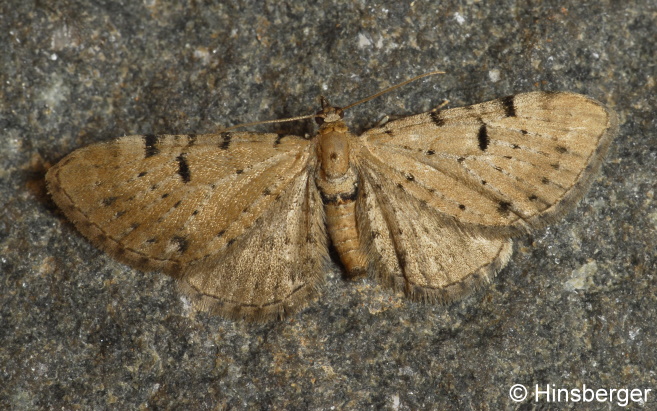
<point x="328" y="114"/>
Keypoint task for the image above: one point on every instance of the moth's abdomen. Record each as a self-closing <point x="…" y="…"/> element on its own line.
<point x="338" y="184"/>
<point x="342" y="228"/>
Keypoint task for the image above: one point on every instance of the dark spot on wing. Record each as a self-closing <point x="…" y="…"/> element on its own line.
<point x="430" y="152"/>
<point x="509" y="106"/>
<point x="150" y="140"/>
<point x="240" y="171"/>
<point x="177" y="204"/>
<point x="225" y="140"/>
<point x="410" y="177"/>
<point x="533" y="197"/>
<point x="109" y="201"/>
<point x="555" y="166"/>
<point x="221" y="233"/>
<point x="437" y="118"/>
<point x="181" y="243"/>
<point x="143" y="173"/>
<point x="561" y="149"/>
<point x="482" y="136"/>
<point x="503" y="207"/>
<point x="165" y="195"/>
<point x="545" y="180"/>
<point x="183" y="168"/>
<point x="515" y="146"/>
<point x="278" y="139"/>
<point x="461" y="206"/>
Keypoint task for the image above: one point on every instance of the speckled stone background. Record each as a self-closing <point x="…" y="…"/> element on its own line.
<point x="576" y="304"/>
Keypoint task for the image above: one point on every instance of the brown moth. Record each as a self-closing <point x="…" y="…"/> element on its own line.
<point x="426" y="204"/>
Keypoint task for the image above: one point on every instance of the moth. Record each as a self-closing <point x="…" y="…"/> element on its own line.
<point x="425" y="204"/>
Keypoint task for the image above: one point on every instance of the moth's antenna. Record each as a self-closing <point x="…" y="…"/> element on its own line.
<point x="284" y="120"/>
<point x="256" y="123"/>
<point x="389" y="89"/>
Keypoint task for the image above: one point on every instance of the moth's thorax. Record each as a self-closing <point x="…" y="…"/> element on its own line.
<point x="336" y="176"/>
<point x="333" y="149"/>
